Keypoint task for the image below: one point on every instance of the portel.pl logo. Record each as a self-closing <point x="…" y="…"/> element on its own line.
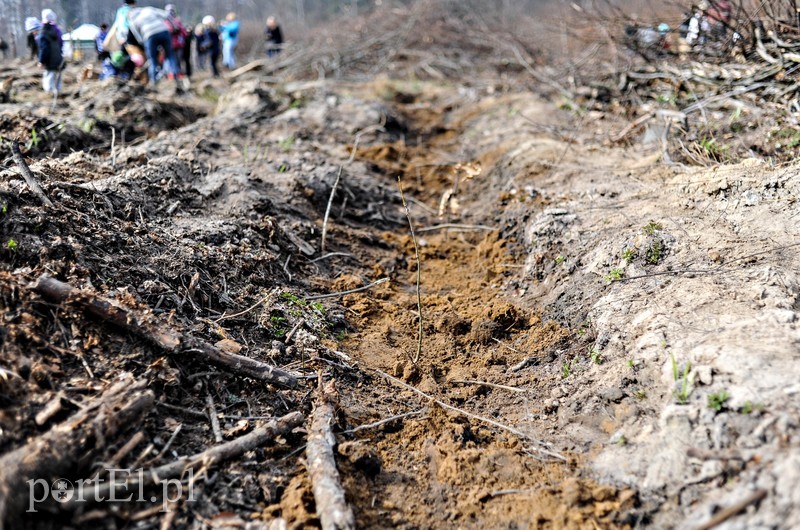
<point x="122" y="485"/>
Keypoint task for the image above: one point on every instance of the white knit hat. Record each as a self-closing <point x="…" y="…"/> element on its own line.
<point x="208" y="20"/>
<point x="49" y="16"/>
<point x="32" y="24"/>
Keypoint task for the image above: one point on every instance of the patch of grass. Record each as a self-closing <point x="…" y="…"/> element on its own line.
<point x="283" y="168"/>
<point x="34" y="138"/>
<point x="631" y="364"/>
<point x="595" y="356"/>
<point x="652" y="227"/>
<point x="711" y="148"/>
<point x="749" y="407"/>
<point x="287" y="143"/>
<point x="560" y="259"/>
<point x="717" y="400"/>
<point x="12" y="245"/>
<point x="640" y="394"/>
<point x="293" y="299"/>
<point x="683" y="380"/>
<point x="297" y="104"/>
<point x="629" y="254"/>
<point x="566" y="369"/>
<point x="615" y="275"/>
<point x="340" y="336"/>
<point x="655" y="251"/>
<point x="318" y="307"/>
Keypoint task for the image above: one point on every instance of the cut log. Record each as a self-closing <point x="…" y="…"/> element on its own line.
<point x="70" y="447"/>
<point x="332" y="508"/>
<point x="159" y="335"/>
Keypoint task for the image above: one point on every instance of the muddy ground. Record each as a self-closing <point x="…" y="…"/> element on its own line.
<point x="612" y="337"/>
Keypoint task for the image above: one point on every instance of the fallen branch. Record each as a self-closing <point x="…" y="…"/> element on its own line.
<point x="204" y="459"/>
<point x="726" y="513"/>
<point x="332" y="508"/>
<point x="70" y="446"/>
<point x="450" y="226"/>
<point x="159" y="335"/>
<point x="351" y="291"/>
<point x="30" y="180"/>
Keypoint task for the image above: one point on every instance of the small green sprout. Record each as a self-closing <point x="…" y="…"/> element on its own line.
<point x="596" y="356"/>
<point x="560" y="260"/>
<point x="629" y="254"/>
<point x="12" y="245"/>
<point x="566" y="369"/>
<point x="652" y="227"/>
<point x="717" y="400"/>
<point x="615" y="275"/>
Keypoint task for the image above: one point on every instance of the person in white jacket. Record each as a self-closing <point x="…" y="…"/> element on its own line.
<point x="147" y="27"/>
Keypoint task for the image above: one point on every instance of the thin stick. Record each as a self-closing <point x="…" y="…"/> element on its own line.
<point x="351" y="291"/>
<point x="450" y="226"/>
<point x="296" y="327"/>
<point x="30" y="180"/>
<point x="212" y="456"/>
<point x="147" y="327"/>
<point x="384" y="421"/>
<point x="328" y="208"/>
<point x="212" y="415"/>
<point x="244" y="312"/>
<point x="486" y="383"/>
<point x="332" y="508"/>
<point x="726" y="513"/>
<point x="113" y="152"/>
<point x="507" y="428"/>
<point x="415" y="360"/>
<point x="332" y="254"/>
<point x="338" y="178"/>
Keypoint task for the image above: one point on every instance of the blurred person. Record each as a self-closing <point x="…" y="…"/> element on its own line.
<point x="98" y="43"/>
<point x="200" y="54"/>
<point x="179" y="35"/>
<point x="148" y="26"/>
<point x="230" y="37"/>
<point x="121" y="18"/>
<point x="210" y="43"/>
<point x="4" y="47"/>
<point x="50" y="57"/>
<point x="32" y="28"/>
<point x="274" y="37"/>
<point x="181" y="41"/>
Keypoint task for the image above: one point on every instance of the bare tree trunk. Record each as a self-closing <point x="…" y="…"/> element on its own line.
<point x="301" y="14"/>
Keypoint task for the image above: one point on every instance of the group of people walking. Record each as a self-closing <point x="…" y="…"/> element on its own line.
<point x="148" y="35"/>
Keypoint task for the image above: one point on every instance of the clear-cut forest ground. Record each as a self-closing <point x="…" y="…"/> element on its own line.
<point x="608" y="338"/>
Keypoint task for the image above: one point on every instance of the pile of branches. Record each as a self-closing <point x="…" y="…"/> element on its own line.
<point x="428" y="40"/>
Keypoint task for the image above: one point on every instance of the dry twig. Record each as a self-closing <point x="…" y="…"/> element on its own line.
<point x="160" y="335"/>
<point x="30" y="180"/>
<point x="332" y="508"/>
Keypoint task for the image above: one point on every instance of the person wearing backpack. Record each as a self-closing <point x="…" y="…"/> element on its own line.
<point x="179" y="36"/>
<point x="148" y="26"/>
<point x="50" y="57"/>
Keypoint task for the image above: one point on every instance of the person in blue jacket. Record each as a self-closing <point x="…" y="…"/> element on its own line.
<point x="50" y="57"/>
<point x="230" y="37"/>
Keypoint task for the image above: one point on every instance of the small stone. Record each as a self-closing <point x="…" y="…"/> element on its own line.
<point x="704" y="375"/>
<point x="714" y="256"/>
<point x="611" y="395"/>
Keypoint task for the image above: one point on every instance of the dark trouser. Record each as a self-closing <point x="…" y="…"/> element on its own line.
<point x="214" y="56"/>
<point x="159" y="40"/>
<point x="187" y="58"/>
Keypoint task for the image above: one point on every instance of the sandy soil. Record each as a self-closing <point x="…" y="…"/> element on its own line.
<point x="612" y="338"/>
